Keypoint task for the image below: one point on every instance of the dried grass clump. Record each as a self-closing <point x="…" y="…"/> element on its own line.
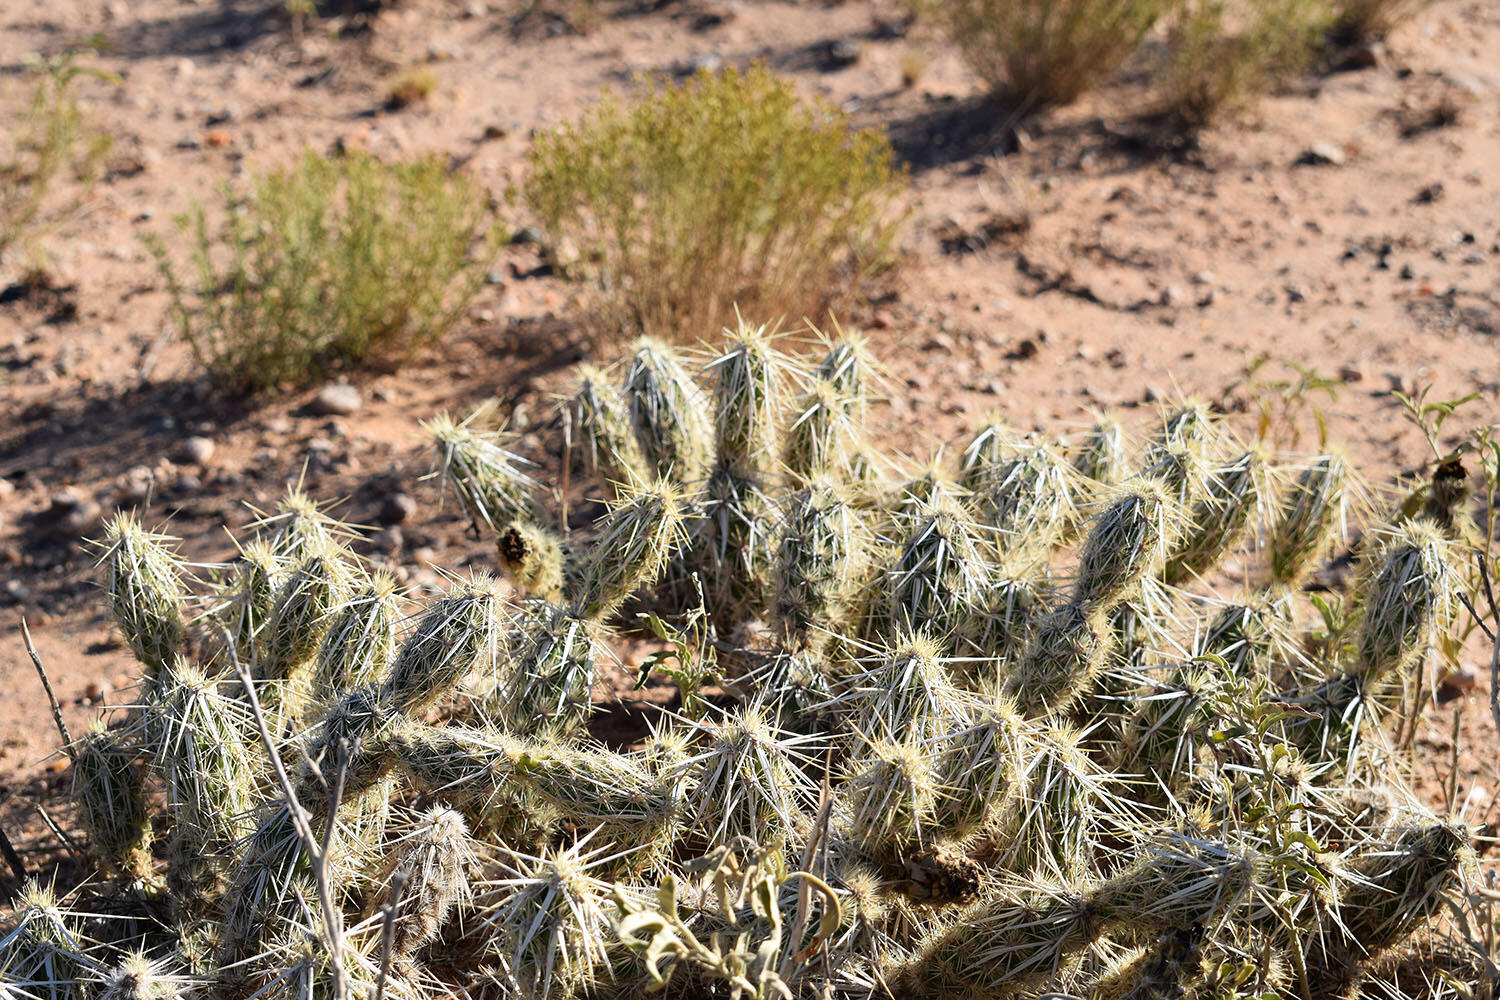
<point x="801" y="203"/>
<point x="913" y="750"/>
<point x="1038" y="53"/>
<point x="325" y="265"/>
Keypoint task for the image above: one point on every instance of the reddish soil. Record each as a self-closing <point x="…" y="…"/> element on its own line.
<point x="1072" y="263"/>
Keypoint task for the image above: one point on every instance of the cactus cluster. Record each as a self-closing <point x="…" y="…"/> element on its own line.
<point x="946" y="732"/>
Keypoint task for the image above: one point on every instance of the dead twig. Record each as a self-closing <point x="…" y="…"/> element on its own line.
<point x="17" y="866"/>
<point x="317" y="848"/>
<point x="36" y="659"/>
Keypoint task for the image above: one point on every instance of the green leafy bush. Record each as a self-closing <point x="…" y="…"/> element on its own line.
<point x="51" y="140"/>
<point x="327" y="264"/>
<point x="1223" y="54"/>
<point x="727" y="190"/>
<point x="1036" y="53"/>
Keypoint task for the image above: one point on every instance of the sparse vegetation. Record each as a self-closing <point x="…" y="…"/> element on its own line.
<point x="725" y="190"/>
<point x="327" y="264"/>
<point x="1038" y="53"/>
<point x="1360" y="20"/>
<point x="982" y="749"/>
<point x="48" y="142"/>
<point x="1221" y="56"/>
<point x="414" y="86"/>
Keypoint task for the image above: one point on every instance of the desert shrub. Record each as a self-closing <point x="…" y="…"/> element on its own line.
<point x="1036" y="53"/>
<point x="51" y="140"/>
<point x="1223" y="54"/>
<point x="413" y="86"/>
<point x="726" y="190"/>
<point x="326" y="264"/>
<point x="1357" y="20"/>
<point x="894" y="791"/>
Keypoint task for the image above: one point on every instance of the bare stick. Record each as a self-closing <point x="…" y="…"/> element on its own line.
<point x="567" y="467"/>
<point x="1489" y="594"/>
<point x="58" y="832"/>
<point x="316" y="852"/>
<point x="11" y="857"/>
<point x="47" y="684"/>
<point x="388" y="932"/>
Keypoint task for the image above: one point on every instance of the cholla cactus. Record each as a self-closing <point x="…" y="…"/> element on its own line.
<point x="1411" y="599"/>
<point x="485" y="477"/>
<point x="145" y="589"/>
<point x="248" y="597"/>
<point x="43" y="954"/>
<point x="550" y="925"/>
<point x="938" y="581"/>
<point x="1099" y="454"/>
<point x="1126" y="542"/>
<point x="1027" y="496"/>
<point x="535" y="559"/>
<point x="208" y="767"/>
<point x="746" y="780"/>
<point x="1230" y="497"/>
<point x="426" y="877"/>
<point x="668" y="412"/>
<point x="138" y="977"/>
<point x="459" y="633"/>
<point x="904" y="693"/>
<point x="358" y="646"/>
<point x="547" y="683"/>
<point x="1011" y="756"/>
<point x="1311" y="517"/>
<point x="818" y="565"/>
<point x="642" y="530"/>
<point x="109" y="787"/>
<point x="1066" y="653"/>
<point x="601" y="428"/>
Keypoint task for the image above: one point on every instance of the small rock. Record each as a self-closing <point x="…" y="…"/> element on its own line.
<point x="1025" y="350"/>
<point x="196" y="450"/>
<point x="1174" y="296"/>
<point x="1429" y="194"/>
<point x="278" y="425"/>
<point x="83" y="520"/>
<point x="527" y="236"/>
<point x="320" y="445"/>
<point x="493" y="131"/>
<point x="1322" y="154"/>
<point x="387" y="540"/>
<point x="995" y="387"/>
<point x="336" y="400"/>
<point x="63" y="503"/>
<point x="882" y="320"/>
<point x="841" y="53"/>
<point x="1203" y="278"/>
<point x="17" y="591"/>
<point x="1153" y="394"/>
<point x="188" y="484"/>
<point x="397" y="508"/>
